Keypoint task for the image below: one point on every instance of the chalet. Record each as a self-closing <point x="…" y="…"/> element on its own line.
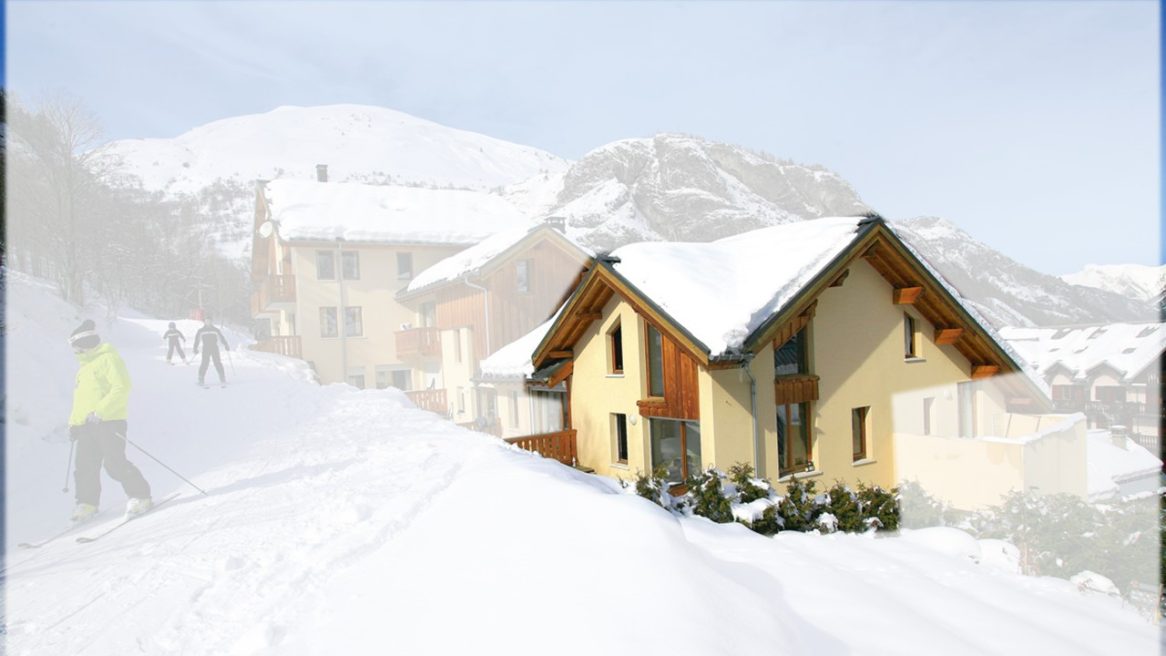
<point x="474" y="303"/>
<point x="1110" y="372"/>
<point x="806" y="349"/>
<point x="328" y="260"/>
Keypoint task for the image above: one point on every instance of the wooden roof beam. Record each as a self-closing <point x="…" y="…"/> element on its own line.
<point x="948" y="335"/>
<point x="984" y="371"/>
<point x="561" y="354"/>
<point x="906" y="295"/>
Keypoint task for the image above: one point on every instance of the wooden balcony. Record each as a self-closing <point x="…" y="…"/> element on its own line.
<point x="418" y="343"/>
<point x="274" y="293"/>
<point x="559" y="446"/>
<point x="281" y="345"/>
<point x="799" y="388"/>
<point x="432" y="400"/>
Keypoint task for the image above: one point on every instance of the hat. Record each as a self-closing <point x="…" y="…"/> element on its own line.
<point x="85" y="337"/>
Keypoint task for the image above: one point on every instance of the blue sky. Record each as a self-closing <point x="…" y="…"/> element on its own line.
<point x="1035" y="126"/>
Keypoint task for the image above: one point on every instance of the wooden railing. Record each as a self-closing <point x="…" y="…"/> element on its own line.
<point x="282" y="345"/>
<point x="414" y="342"/>
<point x="273" y="289"/>
<point x="432" y="400"/>
<point x="559" y="446"/>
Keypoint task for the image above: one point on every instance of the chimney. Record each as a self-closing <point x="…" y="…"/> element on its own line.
<point x="557" y="222"/>
<point x="321" y="173"/>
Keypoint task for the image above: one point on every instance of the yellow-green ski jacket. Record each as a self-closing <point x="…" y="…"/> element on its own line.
<point x="103" y="386"/>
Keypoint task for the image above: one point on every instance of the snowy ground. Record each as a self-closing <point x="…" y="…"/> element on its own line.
<point x="348" y="522"/>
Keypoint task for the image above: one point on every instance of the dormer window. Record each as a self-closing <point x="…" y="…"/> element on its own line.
<point x="791" y="359"/>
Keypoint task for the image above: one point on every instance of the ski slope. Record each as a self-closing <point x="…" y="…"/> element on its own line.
<point x="341" y="521"/>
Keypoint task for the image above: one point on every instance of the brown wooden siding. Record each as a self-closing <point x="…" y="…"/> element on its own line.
<point x="681" y="384"/>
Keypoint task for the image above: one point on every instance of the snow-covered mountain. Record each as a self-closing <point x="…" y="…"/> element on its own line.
<point x="357" y="142"/>
<point x="666" y="187"/>
<point x="1005" y="291"/>
<point x="676" y="187"/>
<point x="1132" y="280"/>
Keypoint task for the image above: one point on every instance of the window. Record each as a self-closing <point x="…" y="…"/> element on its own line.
<point x="1109" y="393"/>
<point x="522" y="275"/>
<point x="859" y="431"/>
<point x="676" y="448"/>
<point x="328" y="322"/>
<point x="619" y="424"/>
<point x="513" y="409"/>
<point x="404" y="266"/>
<point x="927" y="403"/>
<point x="655" y="362"/>
<point x="548" y="410"/>
<point x="401" y="379"/>
<point x="325" y="265"/>
<point x="353" y="322"/>
<point x="793" y="438"/>
<point x="1096" y="333"/>
<point x="615" y="339"/>
<point x="910" y="338"/>
<point x="350" y="265"/>
<point x="790" y="358"/>
<point x="356" y="378"/>
<point x="461" y="400"/>
<point x="457" y="344"/>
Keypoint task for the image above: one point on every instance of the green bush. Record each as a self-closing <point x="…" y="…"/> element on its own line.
<point x="798" y="510"/>
<point x="741" y="476"/>
<point x="708" y="497"/>
<point x="843" y="504"/>
<point x="918" y="509"/>
<point x="879" y="507"/>
<point x="653" y="486"/>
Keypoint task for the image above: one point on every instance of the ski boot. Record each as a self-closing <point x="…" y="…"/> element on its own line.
<point x="83" y="512"/>
<point x="137" y="507"/>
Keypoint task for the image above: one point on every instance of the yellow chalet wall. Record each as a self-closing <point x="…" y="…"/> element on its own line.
<point x="856" y="350"/>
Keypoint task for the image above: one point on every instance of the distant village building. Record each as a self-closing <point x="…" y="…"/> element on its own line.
<point x="328" y="260"/>
<point x="1110" y="372"/>
<point x="811" y="349"/>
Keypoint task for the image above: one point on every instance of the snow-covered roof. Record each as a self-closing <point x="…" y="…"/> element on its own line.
<point x="1128" y="348"/>
<point x="472" y="259"/>
<point x="309" y="210"/>
<point x="1108" y="464"/>
<point x="721" y="291"/>
<point x="514" y="359"/>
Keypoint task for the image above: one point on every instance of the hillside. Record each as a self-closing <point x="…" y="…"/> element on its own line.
<point x="357" y="142"/>
<point x="1131" y="280"/>
<point x="676" y="187"/>
<point x="349" y="522"/>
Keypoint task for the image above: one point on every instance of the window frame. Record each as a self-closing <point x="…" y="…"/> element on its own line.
<point x="785" y="466"/>
<point x="801" y="341"/>
<point x="405" y="273"/>
<point x="345" y="258"/>
<point x="619" y="424"/>
<point x="652" y="379"/>
<point x="911" y="349"/>
<point x="335" y="322"/>
<point x="331" y="259"/>
<point x="860" y="433"/>
<point x="522" y="277"/>
<point x="359" y="322"/>
<point x="615" y="361"/>
<point x="685" y="473"/>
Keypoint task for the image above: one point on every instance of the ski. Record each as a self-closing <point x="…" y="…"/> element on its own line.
<point x="86" y="539"/>
<point x="75" y="527"/>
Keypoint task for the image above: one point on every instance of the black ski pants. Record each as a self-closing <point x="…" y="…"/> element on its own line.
<point x="175" y="345"/>
<point x="207" y="356"/>
<point x="103" y="443"/>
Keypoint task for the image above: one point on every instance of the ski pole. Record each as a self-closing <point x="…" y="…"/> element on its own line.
<point x="151" y="456"/>
<point x="69" y="464"/>
<point x="231" y="363"/>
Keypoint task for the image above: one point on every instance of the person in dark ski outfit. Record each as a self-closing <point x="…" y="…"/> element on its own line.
<point x="174" y="340"/>
<point x="97" y="424"/>
<point x="208" y="338"/>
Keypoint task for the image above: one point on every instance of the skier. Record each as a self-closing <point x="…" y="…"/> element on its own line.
<point x="208" y="338"/>
<point x="98" y="425"/>
<point x="174" y="340"/>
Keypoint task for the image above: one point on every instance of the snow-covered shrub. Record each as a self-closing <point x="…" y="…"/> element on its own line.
<point x="842" y="506"/>
<point x="708" y="497"/>
<point x="653" y="486"/>
<point x="879" y="507"/>
<point x="748" y="488"/>
<point x="798" y="510"/>
<point x="917" y="508"/>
